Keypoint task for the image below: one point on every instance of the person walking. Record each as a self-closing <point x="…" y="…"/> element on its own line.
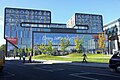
<point x="30" y="57"/>
<point x="23" y="53"/>
<point x="23" y="59"/>
<point x="84" y="58"/>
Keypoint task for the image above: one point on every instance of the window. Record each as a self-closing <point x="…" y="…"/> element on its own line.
<point x="13" y="34"/>
<point x="26" y="34"/>
<point x="7" y="33"/>
<point x="19" y="34"/>
<point x="7" y="27"/>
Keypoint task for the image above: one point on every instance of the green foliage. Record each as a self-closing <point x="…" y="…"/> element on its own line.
<point x="64" y="43"/>
<point x="36" y="52"/>
<point x="29" y="50"/>
<point x="49" y="47"/>
<point x="19" y="51"/>
<point x="42" y="48"/>
<point x="3" y="47"/>
<point x="26" y="50"/>
<point x="15" y="51"/>
<point x="78" y="43"/>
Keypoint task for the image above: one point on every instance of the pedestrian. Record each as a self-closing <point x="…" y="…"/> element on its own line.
<point x="14" y="56"/>
<point x="84" y="58"/>
<point x="30" y="57"/>
<point x="20" y="56"/>
<point x="23" y="59"/>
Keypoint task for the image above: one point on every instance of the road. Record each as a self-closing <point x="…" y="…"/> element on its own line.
<point x="16" y="70"/>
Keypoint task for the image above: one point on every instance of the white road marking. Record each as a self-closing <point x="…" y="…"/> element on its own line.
<point x="50" y="69"/>
<point x="85" y="73"/>
<point x="21" y="65"/>
<point x="77" y="75"/>
<point x="106" y="75"/>
<point x="43" y="69"/>
<point x="8" y="74"/>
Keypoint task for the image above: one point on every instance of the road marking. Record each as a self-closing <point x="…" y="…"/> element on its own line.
<point x="77" y="75"/>
<point x="82" y="75"/>
<point x="50" y="69"/>
<point x="43" y="69"/>
<point x="7" y="75"/>
<point x="21" y="65"/>
<point x="106" y="75"/>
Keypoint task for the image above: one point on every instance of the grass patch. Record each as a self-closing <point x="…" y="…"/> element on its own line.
<point x="75" y="57"/>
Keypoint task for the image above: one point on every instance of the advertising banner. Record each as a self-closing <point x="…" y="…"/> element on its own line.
<point x="13" y="40"/>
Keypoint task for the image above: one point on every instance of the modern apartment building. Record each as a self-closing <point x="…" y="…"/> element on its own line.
<point x="28" y="28"/>
<point x="93" y="23"/>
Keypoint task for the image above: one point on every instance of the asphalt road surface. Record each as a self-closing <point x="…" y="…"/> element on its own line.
<point x="16" y="70"/>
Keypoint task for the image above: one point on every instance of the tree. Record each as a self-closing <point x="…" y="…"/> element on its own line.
<point x="49" y="48"/>
<point x="3" y="47"/>
<point x="19" y="51"/>
<point x="78" y="43"/>
<point x="15" y="51"/>
<point x="64" y="43"/>
<point x="27" y="50"/>
<point x="42" y="48"/>
<point x="101" y="41"/>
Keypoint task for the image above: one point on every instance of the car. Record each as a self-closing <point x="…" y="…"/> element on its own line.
<point x="114" y="62"/>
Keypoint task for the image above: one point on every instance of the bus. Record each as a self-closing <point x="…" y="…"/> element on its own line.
<point x="2" y="60"/>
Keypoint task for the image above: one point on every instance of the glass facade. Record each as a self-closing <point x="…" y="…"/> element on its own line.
<point x="88" y="42"/>
<point x="90" y="22"/>
<point x="15" y="17"/>
<point x="27" y="28"/>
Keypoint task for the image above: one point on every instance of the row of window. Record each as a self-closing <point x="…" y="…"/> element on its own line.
<point x="30" y="12"/>
<point x="26" y="17"/>
<point x="88" y="16"/>
<point x="27" y="20"/>
<point x="18" y="34"/>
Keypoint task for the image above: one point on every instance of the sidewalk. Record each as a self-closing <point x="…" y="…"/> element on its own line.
<point x="90" y="64"/>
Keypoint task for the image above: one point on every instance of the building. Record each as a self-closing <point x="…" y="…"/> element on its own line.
<point x="93" y="23"/>
<point x="29" y="28"/>
<point x="113" y="32"/>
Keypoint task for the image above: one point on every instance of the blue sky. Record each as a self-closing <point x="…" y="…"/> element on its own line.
<point x="62" y="10"/>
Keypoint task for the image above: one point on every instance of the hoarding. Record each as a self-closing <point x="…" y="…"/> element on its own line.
<point x="13" y="40"/>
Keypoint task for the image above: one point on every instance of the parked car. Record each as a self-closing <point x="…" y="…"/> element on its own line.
<point x="114" y="62"/>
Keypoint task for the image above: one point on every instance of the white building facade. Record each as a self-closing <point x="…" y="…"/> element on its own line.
<point x="112" y="30"/>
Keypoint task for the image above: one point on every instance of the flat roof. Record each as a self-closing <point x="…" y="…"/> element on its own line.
<point x="27" y="9"/>
<point x="112" y="22"/>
